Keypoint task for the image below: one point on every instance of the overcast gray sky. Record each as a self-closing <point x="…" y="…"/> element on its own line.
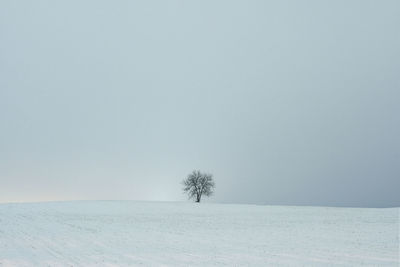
<point x="285" y="102"/>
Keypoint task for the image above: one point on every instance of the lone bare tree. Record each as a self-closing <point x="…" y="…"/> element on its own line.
<point x="198" y="184"/>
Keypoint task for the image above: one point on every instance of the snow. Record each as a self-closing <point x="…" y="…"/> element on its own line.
<point x="126" y="233"/>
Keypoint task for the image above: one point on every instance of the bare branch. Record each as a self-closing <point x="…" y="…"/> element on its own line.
<point x="198" y="184"/>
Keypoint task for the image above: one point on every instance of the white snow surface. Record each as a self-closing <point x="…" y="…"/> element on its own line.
<point x="131" y="233"/>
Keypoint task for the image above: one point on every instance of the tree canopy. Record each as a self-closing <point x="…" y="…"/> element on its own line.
<point x="198" y="184"/>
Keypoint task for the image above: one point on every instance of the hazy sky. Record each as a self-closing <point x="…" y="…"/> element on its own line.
<point x="285" y="102"/>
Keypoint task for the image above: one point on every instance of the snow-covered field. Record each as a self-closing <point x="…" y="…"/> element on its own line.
<point x="125" y="233"/>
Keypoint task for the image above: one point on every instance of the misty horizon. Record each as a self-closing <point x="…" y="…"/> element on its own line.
<point x="284" y="103"/>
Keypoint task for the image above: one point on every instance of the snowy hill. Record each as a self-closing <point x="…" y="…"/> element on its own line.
<point x="125" y="233"/>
